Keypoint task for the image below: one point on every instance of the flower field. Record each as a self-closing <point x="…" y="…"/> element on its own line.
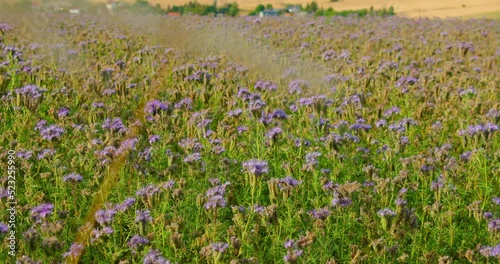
<point x="144" y="139"/>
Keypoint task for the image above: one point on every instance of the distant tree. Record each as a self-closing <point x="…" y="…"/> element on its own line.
<point x="312" y="7"/>
<point x="391" y="11"/>
<point x="269" y="7"/>
<point x="233" y="10"/>
<point x="260" y="8"/>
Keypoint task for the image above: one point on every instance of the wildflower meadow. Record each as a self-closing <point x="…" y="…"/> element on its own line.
<point x="153" y="139"/>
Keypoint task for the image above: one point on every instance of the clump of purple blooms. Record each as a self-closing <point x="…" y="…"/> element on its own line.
<point x="136" y="241"/>
<point x="49" y="132"/>
<point x="114" y="125"/>
<point x="155" y="107"/>
<point x="386" y="212"/>
<point x="265" y="86"/>
<point x="256" y="167"/>
<point x="41" y="212"/>
<point x="215" y="196"/>
<point x="473" y="130"/>
<point x="154" y="256"/>
<point x="74" y="251"/>
<point x="293" y="252"/>
<point x="73" y="178"/>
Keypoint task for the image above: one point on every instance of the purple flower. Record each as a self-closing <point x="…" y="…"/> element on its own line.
<point x="329" y="186"/>
<point x="255" y="105"/>
<point x="406" y="80"/>
<point x="439" y="184"/>
<point x="153" y="139"/>
<point x="155" y="257"/>
<point x="73" y="177"/>
<point x="312" y="158"/>
<point x="242" y="129"/>
<point x="63" y="112"/>
<point x="219" y="246"/>
<point x="41" y="211"/>
<point x="137" y="241"/>
<point x="127" y="144"/>
<point x="98" y="233"/>
<point x="360" y="126"/>
<point x="4" y="27"/>
<point x="490" y="251"/>
<point x="243" y="93"/>
<point x="98" y="105"/>
<point x="386" y="212"/>
<point x="215" y="196"/>
<point x="75" y="250"/>
<point x="391" y="111"/>
<point x="468" y="92"/>
<point x="214" y="202"/>
<point x="4" y="228"/>
<point x="321" y="213"/>
<point x="218" y="149"/>
<point x="280" y="114"/>
<point x="306" y="101"/>
<point x="104" y="217"/>
<point x="265" y="85"/>
<point x="155" y="107"/>
<point x="478" y="129"/>
<point x="256" y="167"/>
<point x="494" y="225"/>
<point x="108" y="92"/>
<point x="381" y="123"/>
<point x="289" y="244"/>
<point x="329" y="54"/>
<point x="147" y="192"/>
<point x="496" y="200"/>
<point x="259" y="209"/>
<point x="24" y="154"/>
<point x="235" y="112"/>
<point x="125" y="204"/>
<point x="143" y="216"/>
<point x="41" y="125"/>
<point x="115" y="125"/>
<point x="191" y="158"/>
<point x="288" y="183"/>
<point x="186" y="102"/>
<point x="341" y="201"/>
<point x="45" y="152"/>
<point x="465" y="157"/>
<point x="401" y="202"/>
<point x="274" y="132"/>
<point x="51" y="132"/>
<point x="31" y="91"/>
<point x="292" y="255"/>
<point x="296" y="86"/>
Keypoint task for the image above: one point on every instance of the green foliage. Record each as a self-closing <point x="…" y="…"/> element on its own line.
<point x="360" y="12"/>
<point x="259" y="8"/>
<point x="312" y="7"/>
<point x="195" y="8"/>
<point x="233" y="10"/>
